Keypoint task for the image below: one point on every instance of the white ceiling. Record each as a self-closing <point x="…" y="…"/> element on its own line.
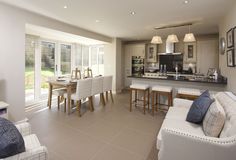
<point x="59" y="36"/>
<point x="116" y="20"/>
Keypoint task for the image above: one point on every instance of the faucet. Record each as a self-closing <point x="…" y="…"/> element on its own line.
<point x="176" y="70"/>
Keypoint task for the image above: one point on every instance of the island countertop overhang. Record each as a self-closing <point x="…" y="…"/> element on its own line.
<point x="219" y="81"/>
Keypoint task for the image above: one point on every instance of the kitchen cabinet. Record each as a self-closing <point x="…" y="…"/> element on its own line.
<point x="137" y="50"/>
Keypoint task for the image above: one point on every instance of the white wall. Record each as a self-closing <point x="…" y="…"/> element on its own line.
<point x="113" y="63"/>
<point x="119" y="68"/>
<point x="12" y="52"/>
<point x="229" y="21"/>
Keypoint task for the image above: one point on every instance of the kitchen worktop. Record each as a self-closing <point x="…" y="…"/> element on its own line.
<point x="185" y="78"/>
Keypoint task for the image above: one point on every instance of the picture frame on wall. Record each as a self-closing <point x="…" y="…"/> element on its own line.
<point x="230" y="38"/>
<point x="230" y="58"/>
<point x="190" y="54"/>
<point x="151" y="53"/>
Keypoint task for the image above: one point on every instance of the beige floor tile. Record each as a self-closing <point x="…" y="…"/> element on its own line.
<point x="115" y="153"/>
<point x="134" y="141"/>
<point x="80" y="147"/>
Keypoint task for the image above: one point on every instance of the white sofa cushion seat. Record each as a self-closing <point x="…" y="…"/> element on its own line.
<point x="184" y="126"/>
<point x="177" y="113"/>
<point x="178" y="102"/>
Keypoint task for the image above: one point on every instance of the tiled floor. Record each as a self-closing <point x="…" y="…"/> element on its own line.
<point x="110" y="132"/>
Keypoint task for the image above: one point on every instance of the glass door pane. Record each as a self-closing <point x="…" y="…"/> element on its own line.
<point x="65" y="59"/>
<point x="85" y="54"/>
<point x="101" y="60"/>
<point x="94" y="60"/>
<point x="78" y="57"/>
<point x="47" y="65"/>
<point x="29" y="68"/>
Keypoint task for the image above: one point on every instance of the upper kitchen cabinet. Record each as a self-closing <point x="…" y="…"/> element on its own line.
<point x="138" y="50"/>
<point x="132" y="50"/>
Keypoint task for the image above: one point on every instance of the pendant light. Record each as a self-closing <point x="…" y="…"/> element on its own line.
<point x="189" y="37"/>
<point x="172" y="38"/>
<point x="156" y="40"/>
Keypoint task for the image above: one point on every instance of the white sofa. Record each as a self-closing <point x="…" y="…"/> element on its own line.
<point x="34" y="150"/>
<point x="181" y="140"/>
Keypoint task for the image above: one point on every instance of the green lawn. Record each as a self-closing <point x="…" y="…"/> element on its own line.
<point x="29" y="78"/>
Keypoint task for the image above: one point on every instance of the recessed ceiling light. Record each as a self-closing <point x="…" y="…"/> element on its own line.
<point x="97" y="21"/>
<point x="186" y="2"/>
<point x="132" y="13"/>
<point x="65" y="7"/>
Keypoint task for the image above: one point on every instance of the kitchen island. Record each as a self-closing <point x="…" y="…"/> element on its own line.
<point x="182" y="81"/>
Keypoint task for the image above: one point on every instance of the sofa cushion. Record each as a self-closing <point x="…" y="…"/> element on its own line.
<point x="11" y="141"/>
<point x="199" y="108"/>
<point x="229" y="129"/>
<point x="186" y="127"/>
<point x="214" y="120"/>
<point x="178" y="113"/>
<point x="229" y="105"/>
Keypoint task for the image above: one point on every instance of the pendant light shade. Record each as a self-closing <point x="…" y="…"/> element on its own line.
<point x="156" y="40"/>
<point x="189" y="37"/>
<point x="172" y="39"/>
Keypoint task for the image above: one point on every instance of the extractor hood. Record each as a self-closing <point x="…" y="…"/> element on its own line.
<point x="170" y="50"/>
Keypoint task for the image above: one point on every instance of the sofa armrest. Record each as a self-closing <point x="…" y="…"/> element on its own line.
<point x="24" y="128"/>
<point x="178" y="102"/>
<point x="179" y="145"/>
<point x="39" y="153"/>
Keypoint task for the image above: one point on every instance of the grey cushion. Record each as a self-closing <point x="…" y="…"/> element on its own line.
<point x="11" y="141"/>
<point x="199" y="108"/>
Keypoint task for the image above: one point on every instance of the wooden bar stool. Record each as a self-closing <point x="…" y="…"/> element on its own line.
<point x="161" y="90"/>
<point x="143" y="88"/>
<point x="188" y="93"/>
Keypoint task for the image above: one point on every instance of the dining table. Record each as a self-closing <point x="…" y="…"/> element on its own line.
<point x="61" y="83"/>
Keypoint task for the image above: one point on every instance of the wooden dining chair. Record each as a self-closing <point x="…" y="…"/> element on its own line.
<point x="76" y="74"/>
<point x="83" y="90"/>
<point x="59" y="92"/>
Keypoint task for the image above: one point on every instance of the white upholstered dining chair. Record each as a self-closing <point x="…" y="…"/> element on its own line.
<point x="97" y="88"/>
<point x="83" y="90"/>
<point x="107" y="86"/>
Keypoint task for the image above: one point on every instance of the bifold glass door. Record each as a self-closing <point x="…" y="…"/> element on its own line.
<point x="47" y="65"/>
<point x="44" y="59"/>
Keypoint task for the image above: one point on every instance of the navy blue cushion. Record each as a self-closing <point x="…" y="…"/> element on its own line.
<point x="199" y="108"/>
<point x="11" y="141"/>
